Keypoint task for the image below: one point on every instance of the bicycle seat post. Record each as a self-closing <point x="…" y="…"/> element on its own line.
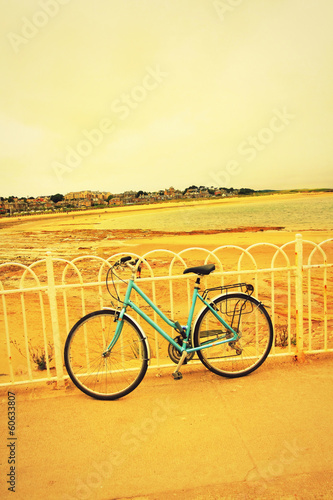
<point x="197" y="283"/>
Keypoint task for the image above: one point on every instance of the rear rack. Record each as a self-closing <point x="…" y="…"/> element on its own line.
<point x="242" y="287"/>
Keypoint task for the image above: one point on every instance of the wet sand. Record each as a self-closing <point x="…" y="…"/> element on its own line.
<point x="24" y="239"/>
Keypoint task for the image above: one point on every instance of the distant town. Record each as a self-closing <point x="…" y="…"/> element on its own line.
<point x="83" y="200"/>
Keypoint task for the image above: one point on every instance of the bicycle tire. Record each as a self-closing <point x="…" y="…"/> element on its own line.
<point x="249" y="318"/>
<point x="110" y="377"/>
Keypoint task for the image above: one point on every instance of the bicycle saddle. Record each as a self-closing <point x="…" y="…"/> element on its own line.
<point x="201" y="270"/>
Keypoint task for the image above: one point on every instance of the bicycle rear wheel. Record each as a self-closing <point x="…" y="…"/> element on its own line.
<point x="248" y="317"/>
<point x="112" y="376"/>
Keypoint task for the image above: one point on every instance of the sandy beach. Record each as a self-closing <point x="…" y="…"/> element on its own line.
<point x="69" y="235"/>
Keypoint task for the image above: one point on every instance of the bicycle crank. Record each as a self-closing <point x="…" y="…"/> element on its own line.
<point x="175" y="355"/>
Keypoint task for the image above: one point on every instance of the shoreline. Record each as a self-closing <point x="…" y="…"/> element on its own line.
<point x="7" y="222"/>
<point x="76" y="234"/>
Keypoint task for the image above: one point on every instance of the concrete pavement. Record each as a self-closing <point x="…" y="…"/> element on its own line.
<point x="267" y="435"/>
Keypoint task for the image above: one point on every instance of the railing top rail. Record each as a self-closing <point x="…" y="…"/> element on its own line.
<point x="64" y="286"/>
<point x="175" y="257"/>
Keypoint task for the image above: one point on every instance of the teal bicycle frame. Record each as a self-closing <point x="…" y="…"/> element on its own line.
<point x="127" y="302"/>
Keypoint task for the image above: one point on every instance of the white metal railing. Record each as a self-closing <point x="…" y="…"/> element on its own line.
<point x="40" y="302"/>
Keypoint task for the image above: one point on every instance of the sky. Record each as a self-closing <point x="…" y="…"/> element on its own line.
<point x="119" y="95"/>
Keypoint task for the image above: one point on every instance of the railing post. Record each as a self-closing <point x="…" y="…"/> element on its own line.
<point x="52" y="293"/>
<point x="299" y="292"/>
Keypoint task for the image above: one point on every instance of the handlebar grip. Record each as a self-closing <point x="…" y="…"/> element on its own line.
<point x="125" y="259"/>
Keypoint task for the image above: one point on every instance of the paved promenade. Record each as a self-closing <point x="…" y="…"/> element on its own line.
<point x="268" y="435"/>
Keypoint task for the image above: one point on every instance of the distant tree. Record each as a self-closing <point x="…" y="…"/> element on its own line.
<point x="246" y="191"/>
<point x="57" y="197"/>
<point x="110" y="197"/>
<point x="10" y="199"/>
<point x="189" y="188"/>
<point x="141" y="193"/>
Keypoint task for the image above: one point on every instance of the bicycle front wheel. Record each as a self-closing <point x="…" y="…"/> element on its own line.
<point x="248" y="317"/>
<point x="111" y="376"/>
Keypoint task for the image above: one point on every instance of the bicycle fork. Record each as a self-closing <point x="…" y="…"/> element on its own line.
<point x="116" y="335"/>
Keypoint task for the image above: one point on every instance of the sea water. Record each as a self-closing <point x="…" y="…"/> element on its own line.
<point x="297" y="214"/>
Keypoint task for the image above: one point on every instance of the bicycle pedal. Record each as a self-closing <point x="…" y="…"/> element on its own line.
<point x="177" y="375"/>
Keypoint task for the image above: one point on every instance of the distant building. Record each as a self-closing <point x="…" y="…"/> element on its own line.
<point x="87" y="198"/>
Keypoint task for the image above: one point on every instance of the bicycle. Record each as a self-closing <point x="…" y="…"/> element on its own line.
<point x="107" y="352"/>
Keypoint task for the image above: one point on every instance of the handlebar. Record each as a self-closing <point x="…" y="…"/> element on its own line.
<point x="133" y="264"/>
<point x="128" y="261"/>
<point x="125" y="259"/>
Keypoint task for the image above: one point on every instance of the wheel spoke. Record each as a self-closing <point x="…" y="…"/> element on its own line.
<point x="111" y="376"/>
<point x="250" y="320"/>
